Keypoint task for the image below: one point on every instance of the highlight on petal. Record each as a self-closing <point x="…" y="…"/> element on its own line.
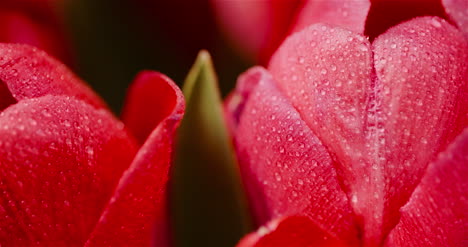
<point x="136" y="215"/>
<point x="293" y="231"/>
<point x="437" y="213"/>
<point x="457" y="10"/>
<point x="60" y="160"/>
<point x="350" y="15"/>
<point x="150" y="99"/>
<point x="422" y="80"/>
<point x="29" y="72"/>
<point x="209" y="207"/>
<point x="285" y="167"/>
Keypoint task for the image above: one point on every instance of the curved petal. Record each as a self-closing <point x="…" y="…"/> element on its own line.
<point x="437" y="213"/>
<point x="137" y="213"/>
<point x="293" y="231"/>
<point x="326" y="72"/>
<point x="458" y="12"/>
<point x="346" y="14"/>
<point x="422" y="80"/>
<point x="60" y="160"/>
<point x="150" y="99"/>
<point x="285" y="167"/>
<point x="29" y="72"/>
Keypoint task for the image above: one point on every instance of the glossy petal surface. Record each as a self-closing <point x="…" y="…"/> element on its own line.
<point x="365" y="117"/>
<point x="294" y="231"/>
<point x="150" y="99"/>
<point x="422" y="82"/>
<point x="60" y="160"/>
<point x="28" y="73"/>
<point x="437" y="213"/>
<point x="137" y="212"/>
<point x="285" y="167"/>
<point x="326" y="73"/>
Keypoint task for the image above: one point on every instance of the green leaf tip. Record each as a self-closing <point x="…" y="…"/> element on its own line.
<point x="208" y="202"/>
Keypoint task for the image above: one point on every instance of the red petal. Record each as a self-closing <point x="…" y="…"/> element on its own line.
<point x="437" y="213"/>
<point x="30" y="73"/>
<point x="326" y="73"/>
<point x="294" y="231"/>
<point x="422" y="81"/>
<point x="60" y="161"/>
<point x="18" y="27"/>
<point x="150" y="99"/>
<point x="284" y="166"/>
<point x="350" y="15"/>
<point x="458" y="12"/>
<point x="258" y="26"/>
<point x="385" y="14"/>
<point x="137" y="215"/>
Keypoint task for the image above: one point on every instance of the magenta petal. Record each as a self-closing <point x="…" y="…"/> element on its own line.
<point x="285" y="167"/>
<point x="346" y="14"/>
<point x="150" y="99"/>
<point x="293" y="231"/>
<point x="29" y="72"/>
<point x="422" y="79"/>
<point x="437" y="213"/>
<point x="60" y="160"/>
<point x="458" y="12"/>
<point x="136" y="214"/>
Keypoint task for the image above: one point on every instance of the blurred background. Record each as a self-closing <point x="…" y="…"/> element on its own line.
<point x="114" y="39"/>
<point x="106" y="42"/>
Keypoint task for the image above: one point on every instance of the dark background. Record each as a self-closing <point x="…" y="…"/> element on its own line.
<point x="114" y="39"/>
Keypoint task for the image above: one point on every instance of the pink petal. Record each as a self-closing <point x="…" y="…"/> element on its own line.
<point x="60" y="161"/>
<point x="285" y="167"/>
<point x="437" y="213"/>
<point x="137" y="215"/>
<point x="346" y="14"/>
<point x="30" y="73"/>
<point x="422" y="81"/>
<point x="369" y="125"/>
<point x="150" y="99"/>
<point x="326" y="73"/>
<point x="294" y="231"/>
<point x="385" y="14"/>
<point x="458" y="12"/>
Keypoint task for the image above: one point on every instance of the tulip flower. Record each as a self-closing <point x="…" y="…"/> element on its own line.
<point x="35" y="23"/>
<point x="345" y="141"/>
<point x="71" y="174"/>
<point x="259" y="27"/>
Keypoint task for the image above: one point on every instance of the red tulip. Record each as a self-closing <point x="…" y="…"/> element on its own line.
<point x="259" y="27"/>
<point x="36" y="23"/>
<point x="70" y="172"/>
<point x="358" y="139"/>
